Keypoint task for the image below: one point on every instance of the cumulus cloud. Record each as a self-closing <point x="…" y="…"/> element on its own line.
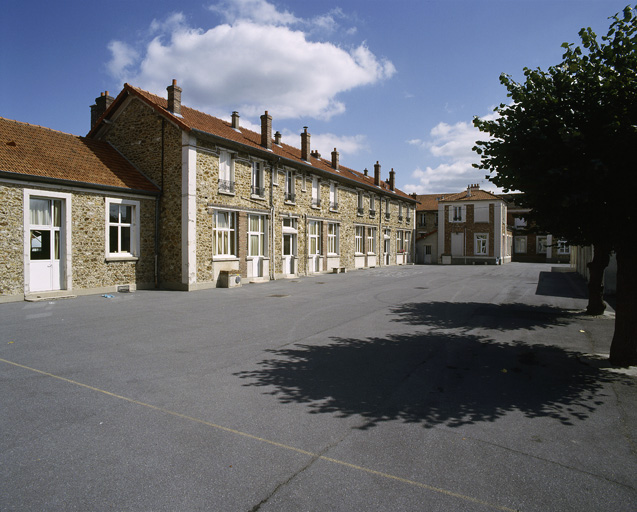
<point x="254" y="62"/>
<point x="451" y="145"/>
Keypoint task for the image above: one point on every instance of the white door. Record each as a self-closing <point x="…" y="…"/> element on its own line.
<point x="427" y="254"/>
<point x="386" y="246"/>
<point x="289" y="241"/>
<point x="314" y="252"/>
<point x="457" y="244"/>
<point x="256" y="241"/>
<point x="45" y="244"/>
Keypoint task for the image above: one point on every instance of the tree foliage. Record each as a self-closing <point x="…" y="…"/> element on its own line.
<point x="568" y="140"/>
<point x="568" y="137"/>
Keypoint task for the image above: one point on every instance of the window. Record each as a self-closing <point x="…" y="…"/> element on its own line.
<point x="226" y="173"/>
<point x="316" y="193"/>
<point x="371" y="240"/>
<point x="314" y="234"/>
<point x="409" y="214"/>
<point x="387" y="212"/>
<point x="372" y="206"/>
<point x="360" y="204"/>
<point x="563" y="247"/>
<point x="519" y="222"/>
<point x="408" y="242"/>
<point x="456" y="213"/>
<point x="332" y="238"/>
<point x="122" y="231"/>
<point x="541" y="245"/>
<point x="400" y="241"/>
<point x="519" y="245"/>
<point x="400" y="212"/>
<point x="258" y="188"/>
<point x="333" y="196"/>
<point x="224" y="234"/>
<point x="422" y="219"/>
<point x="256" y="235"/>
<point x="358" y="238"/>
<point x="481" y="212"/>
<point x="481" y="244"/>
<point x="289" y="186"/>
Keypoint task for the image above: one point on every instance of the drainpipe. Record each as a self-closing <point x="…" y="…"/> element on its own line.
<point x="157" y="202"/>
<point x="272" y="227"/>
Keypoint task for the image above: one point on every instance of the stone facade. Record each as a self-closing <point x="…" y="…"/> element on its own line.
<point x="12" y="246"/>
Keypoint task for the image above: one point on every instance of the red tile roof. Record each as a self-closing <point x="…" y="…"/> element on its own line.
<point x="476" y="195"/>
<point x="192" y="119"/>
<point x="33" y="151"/>
<point x="429" y="202"/>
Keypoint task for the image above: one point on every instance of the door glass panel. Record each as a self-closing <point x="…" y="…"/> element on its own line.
<point x="40" y="244"/>
<point x="287" y="245"/>
<point x="254" y="245"/>
<point x="57" y="213"/>
<point x="56" y="246"/>
<point x="40" y="210"/>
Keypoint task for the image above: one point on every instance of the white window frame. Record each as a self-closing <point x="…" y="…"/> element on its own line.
<point x="400" y="241"/>
<point x="226" y="172"/>
<point x="290" y="178"/>
<point x="230" y="233"/>
<point x="563" y="247"/>
<point x="400" y="212"/>
<point x="359" y="204"/>
<point x="372" y="205"/>
<point x="258" y="181"/>
<point x="133" y="225"/>
<point x="319" y="227"/>
<point x="371" y="240"/>
<point x="261" y="234"/>
<point x="517" y="242"/>
<point x="359" y="239"/>
<point x="457" y="213"/>
<point x="333" y="197"/>
<point x="316" y="192"/>
<point x="332" y="238"/>
<point x="481" y="244"/>
<point x="541" y="244"/>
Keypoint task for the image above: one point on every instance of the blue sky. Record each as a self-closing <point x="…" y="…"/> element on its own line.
<point x="391" y="81"/>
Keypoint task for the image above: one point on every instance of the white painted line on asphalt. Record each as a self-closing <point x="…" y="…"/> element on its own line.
<point x="267" y="441"/>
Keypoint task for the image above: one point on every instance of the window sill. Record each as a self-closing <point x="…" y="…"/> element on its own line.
<point x="225" y="258"/>
<point x="110" y="259"/>
<point x="258" y="198"/>
<point x="225" y="193"/>
<point x="332" y="210"/>
<point x="291" y="203"/>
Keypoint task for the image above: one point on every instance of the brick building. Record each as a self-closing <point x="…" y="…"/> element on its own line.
<point x="209" y="198"/>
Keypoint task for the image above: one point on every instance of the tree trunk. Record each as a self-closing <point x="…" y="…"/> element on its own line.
<point x="596" y="267"/>
<point x="623" y="349"/>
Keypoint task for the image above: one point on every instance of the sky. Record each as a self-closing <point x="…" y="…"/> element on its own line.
<point x="396" y="82"/>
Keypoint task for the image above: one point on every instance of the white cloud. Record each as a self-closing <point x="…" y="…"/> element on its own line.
<point x="249" y="65"/>
<point x="451" y="145"/>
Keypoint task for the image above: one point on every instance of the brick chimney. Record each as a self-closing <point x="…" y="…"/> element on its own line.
<point x="277" y="138"/>
<point x="392" y="179"/>
<point x="266" y="130"/>
<point x="377" y="174"/>
<point x="365" y="172"/>
<point x="235" y="120"/>
<point x="305" y="145"/>
<point x="174" y="98"/>
<point x="335" y="159"/>
<point x="101" y="105"/>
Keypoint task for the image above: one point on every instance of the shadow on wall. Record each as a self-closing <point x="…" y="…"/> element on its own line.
<point x="435" y="378"/>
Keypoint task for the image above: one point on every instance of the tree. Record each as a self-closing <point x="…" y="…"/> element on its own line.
<point x="567" y="140"/>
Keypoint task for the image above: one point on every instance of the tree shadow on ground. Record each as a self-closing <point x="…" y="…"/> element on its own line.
<point x="469" y="315"/>
<point x="434" y="379"/>
<point x="440" y="377"/>
<point x="562" y="284"/>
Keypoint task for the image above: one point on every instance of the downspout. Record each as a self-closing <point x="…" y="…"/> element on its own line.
<point x="272" y="226"/>
<point x="157" y="201"/>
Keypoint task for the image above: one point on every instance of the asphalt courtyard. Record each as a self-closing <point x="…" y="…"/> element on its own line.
<point x="419" y="388"/>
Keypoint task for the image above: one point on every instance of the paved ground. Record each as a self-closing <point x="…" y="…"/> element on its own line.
<point x="412" y="388"/>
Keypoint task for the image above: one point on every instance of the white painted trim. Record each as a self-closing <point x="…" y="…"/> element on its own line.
<point x="68" y="259"/>
<point x="188" y="209"/>
<point x="135" y="230"/>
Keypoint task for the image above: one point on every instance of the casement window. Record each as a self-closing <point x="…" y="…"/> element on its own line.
<point x="541" y="245"/>
<point x="258" y="187"/>
<point x="290" y="197"/>
<point x="256" y="235"/>
<point x="481" y="244"/>
<point x="224" y="234"/>
<point x="372" y="206"/>
<point x="226" y="173"/>
<point x="314" y="236"/>
<point x="422" y="219"/>
<point x="409" y="214"/>
<point x="359" y="234"/>
<point x="400" y="241"/>
<point x="316" y="193"/>
<point x="408" y="242"/>
<point x="457" y="213"/>
<point x="563" y="247"/>
<point x="359" y="204"/>
<point x="400" y="212"/>
<point x="387" y="211"/>
<point x="332" y="238"/>
<point x="122" y="228"/>
<point x="371" y="241"/>
<point x="519" y="245"/>
<point x="333" y="196"/>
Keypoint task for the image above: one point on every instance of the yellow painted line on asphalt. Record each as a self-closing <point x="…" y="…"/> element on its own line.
<point x="267" y="441"/>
